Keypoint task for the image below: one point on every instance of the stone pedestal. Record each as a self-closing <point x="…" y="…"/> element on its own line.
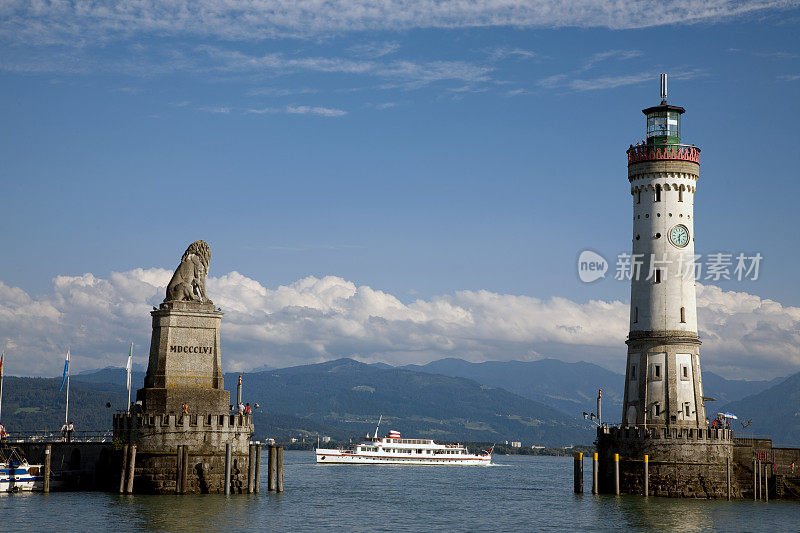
<point x="185" y="360"/>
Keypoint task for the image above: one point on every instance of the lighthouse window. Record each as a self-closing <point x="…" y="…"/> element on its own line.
<point x="658" y="275"/>
<point x="684" y="372"/>
<point x="635" y="315"/>
<point x="633" y="372"/>
<point x="638" y="196"/>
<point x="687" y="408"/>
<point x="658" y="193"/>
<point x="683" y="315"/>
<point x="680" y="195"/>
<point x="657" y="409"/>
<point x="656" y="373"/>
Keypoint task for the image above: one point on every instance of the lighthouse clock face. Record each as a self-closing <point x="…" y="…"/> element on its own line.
<point x="679" y="236"/>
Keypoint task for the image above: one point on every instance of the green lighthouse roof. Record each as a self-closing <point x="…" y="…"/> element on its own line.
<point x="664" y="107"/>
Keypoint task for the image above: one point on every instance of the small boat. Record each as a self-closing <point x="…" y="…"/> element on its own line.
<point x="16" y="474"/>
<point x="393" y="449"/>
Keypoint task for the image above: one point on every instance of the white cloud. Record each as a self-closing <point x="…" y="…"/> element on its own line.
<point x="572" y="81"/>
<point x="375" y="49"/>
<point x="619" y="55"/>
<point x="501" y="53"/>
<point x="299" y="110"/>
<point x="49" y="22"/>
<point x="219" y="110"/>
<point x="280" y="91"/>
<point x="314" y="110"/>
<point x="315" y="319"/>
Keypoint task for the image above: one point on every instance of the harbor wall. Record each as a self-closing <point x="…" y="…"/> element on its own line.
<point x="77" y="465"/>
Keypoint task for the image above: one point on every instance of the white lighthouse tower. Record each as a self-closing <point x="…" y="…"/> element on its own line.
<point x="663" y="385"/>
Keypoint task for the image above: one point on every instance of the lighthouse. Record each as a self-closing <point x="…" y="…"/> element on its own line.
<point x="663" y="384"/>
<point x="664" y="445"/>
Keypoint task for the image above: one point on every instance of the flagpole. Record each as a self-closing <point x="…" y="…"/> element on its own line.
<point x="3" y="356"/>
<point x="130" y="369"/>
<point x="66" y="411"/>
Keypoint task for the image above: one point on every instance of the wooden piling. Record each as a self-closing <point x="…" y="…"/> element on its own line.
<point x="48" y="449"/>
<point x="279" y="470"/>
<point x="616" y="474"/>
<point x="755" y="473"/>
<point x="123" y="471"/>
<point x="271" y="467"/>
<point x="595" y="475"/>
<point x="760" y="490"/>
<point x="766" y="484"/>
<point x="185" y="470"/>
<point x="646" y="475"/>
<point x="728" y="478"/>
<point x="251" y="468"/>
<point x="178" y="468"/>
<point x="131" y="467"/>
<point x="227" y="468"/>
<point x="577" y="473"/>
<point x="258" y="468"/>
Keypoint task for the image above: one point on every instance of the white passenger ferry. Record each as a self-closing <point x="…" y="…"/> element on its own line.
<point x="393" y="449"/>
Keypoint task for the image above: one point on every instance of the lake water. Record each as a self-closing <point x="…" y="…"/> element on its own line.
<point x="517" y="494"/>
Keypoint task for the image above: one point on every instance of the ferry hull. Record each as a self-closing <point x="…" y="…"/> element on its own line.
<point x="337" y="457"/>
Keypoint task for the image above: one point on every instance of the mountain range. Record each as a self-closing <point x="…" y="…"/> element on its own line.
<point x="536" y="402"/>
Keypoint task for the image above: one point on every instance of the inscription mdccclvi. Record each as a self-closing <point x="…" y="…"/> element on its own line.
<point x="191" y="349"/>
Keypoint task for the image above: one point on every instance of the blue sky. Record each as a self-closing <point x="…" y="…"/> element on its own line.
<point x="417" y="151"/>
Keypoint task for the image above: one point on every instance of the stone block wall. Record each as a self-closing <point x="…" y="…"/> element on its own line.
<point x="157" y="437"/>
<point x="682" y="462"/>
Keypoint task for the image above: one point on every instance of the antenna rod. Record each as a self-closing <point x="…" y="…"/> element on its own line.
<point x="379" y="425"/>
<point x="663" y="88"/>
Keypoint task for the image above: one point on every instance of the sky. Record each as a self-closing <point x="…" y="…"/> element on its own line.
<point x="389" y="181"/>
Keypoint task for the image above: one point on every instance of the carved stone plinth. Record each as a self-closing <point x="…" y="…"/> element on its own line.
<point x="185" y="360"/>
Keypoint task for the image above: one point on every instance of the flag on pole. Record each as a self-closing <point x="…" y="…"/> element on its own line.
<point x="129" y="366"/>
<point x="66" y="371"/>
<point x="2" y="356"/>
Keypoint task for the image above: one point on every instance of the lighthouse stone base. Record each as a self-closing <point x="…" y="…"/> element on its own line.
<point x="683" y="463"/>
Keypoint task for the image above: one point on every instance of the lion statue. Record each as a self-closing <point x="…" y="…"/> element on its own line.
<point x="189" y="280"/>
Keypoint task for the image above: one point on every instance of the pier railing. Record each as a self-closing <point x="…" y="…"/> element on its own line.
<point x="57" y="436"/>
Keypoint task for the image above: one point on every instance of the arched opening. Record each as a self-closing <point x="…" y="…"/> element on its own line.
<point x="658" y="193"/>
